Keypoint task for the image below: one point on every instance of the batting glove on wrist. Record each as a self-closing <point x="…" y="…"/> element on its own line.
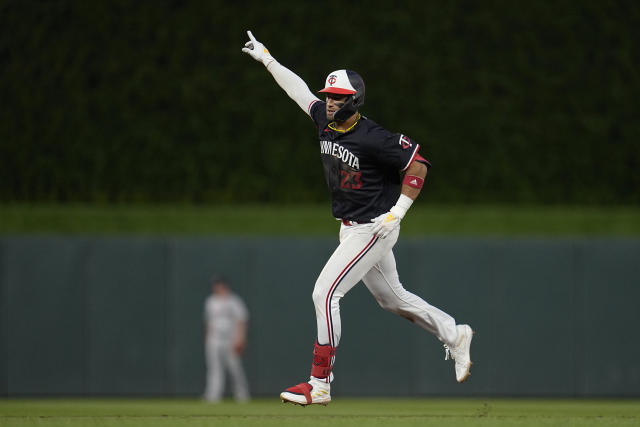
<point x="257" y="51"/>
<point x="386" y="223"/>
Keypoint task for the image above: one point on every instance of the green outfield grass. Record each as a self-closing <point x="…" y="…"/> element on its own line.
<point x="343" y="412"/>
<point x="423" y="219"/>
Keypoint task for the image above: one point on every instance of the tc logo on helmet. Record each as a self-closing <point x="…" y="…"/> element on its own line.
<point x="332" y="79"/>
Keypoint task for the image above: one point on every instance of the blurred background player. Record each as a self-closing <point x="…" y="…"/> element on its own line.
<point x="373" y="177"/>
<point x="226" y="317"/>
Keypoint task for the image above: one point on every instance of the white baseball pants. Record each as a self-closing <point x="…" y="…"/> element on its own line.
<point x="221" y="357"/>
<point x="363" y="256"/>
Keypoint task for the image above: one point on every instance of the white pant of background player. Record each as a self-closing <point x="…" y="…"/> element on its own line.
<point x="220" y="358"/>
<point x="363" y="256"/>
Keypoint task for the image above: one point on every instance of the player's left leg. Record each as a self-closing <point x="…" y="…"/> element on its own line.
<point x="239" y="383"/>
<point x="384" y="284"/>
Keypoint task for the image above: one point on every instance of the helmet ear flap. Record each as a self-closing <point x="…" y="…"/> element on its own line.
<point x="358" y="84"/>
<point x="346" y="111"/>
<point x="357" y="100"/>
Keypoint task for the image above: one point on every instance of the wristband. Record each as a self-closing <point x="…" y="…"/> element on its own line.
<point x="268" y="60"/>
<point x="413" y="181"/>
<point x="402" y="206"/>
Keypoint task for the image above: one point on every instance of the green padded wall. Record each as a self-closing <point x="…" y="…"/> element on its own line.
<point x="123" y="315"/>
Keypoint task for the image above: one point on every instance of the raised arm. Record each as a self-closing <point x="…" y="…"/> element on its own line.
<point x="295" y="87"/>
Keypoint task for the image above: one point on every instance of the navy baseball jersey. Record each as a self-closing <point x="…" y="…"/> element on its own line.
<point x="362" y="166"/>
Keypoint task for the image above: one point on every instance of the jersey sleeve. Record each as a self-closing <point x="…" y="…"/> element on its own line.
<point x="398" y="151"/>
<point x="293" y="85"/>
<point x="242" y="314"/>
<point x="317" y="112"/>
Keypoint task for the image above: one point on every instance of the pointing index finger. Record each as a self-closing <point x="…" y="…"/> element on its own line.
<point x="253" y="39"/>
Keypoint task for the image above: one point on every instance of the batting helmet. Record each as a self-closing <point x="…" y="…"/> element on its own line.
<point x="345" y="82"/>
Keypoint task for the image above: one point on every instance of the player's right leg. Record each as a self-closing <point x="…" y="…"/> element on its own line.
<point x="215" y="372"/>
<point x="384" y="284"/>
<point x="358" y="251"/>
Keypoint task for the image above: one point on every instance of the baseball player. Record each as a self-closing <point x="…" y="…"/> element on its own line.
<point x="373" y="176"/>
<point x="225" y="317"/>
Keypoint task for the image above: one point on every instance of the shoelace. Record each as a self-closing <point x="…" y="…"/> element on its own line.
<point x="447" y="353"/>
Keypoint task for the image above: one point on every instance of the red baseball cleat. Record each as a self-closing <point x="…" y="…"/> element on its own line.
<point x="310" y="393"/>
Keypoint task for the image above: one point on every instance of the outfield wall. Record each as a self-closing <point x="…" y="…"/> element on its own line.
<point x="123" y="315"/>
